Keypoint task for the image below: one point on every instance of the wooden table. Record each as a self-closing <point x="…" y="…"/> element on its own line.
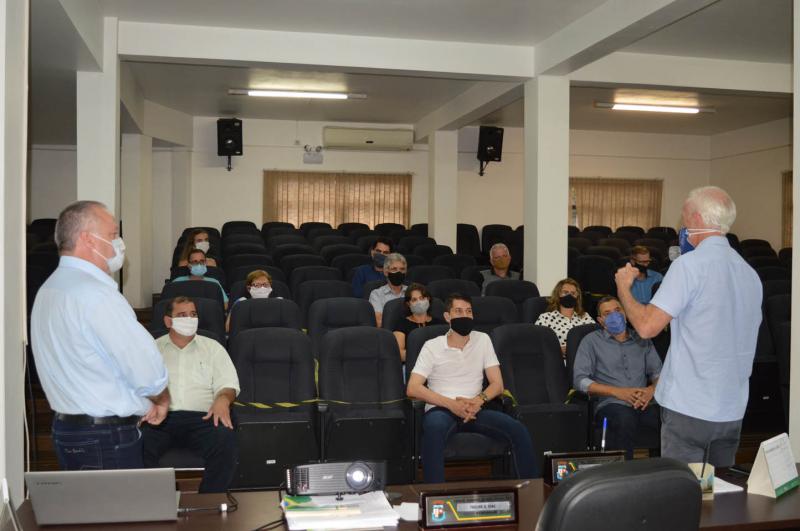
<point x="735" y="511"/>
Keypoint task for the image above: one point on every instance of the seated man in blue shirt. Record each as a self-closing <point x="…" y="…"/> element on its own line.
<point x="615" y="364"/>
<point x="374" y="271"/>
<point x="197" y="271"/>
<point x="642" y="289"/>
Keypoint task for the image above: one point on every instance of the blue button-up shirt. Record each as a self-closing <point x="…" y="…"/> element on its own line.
<point x="365" y="273"/>
<point x="714" y="298"/>
<point x="642" y="290"/>
<point x="92" y="355"/>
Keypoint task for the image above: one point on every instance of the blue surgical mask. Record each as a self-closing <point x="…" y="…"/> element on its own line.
<point x="615" y="323"/>
<point x="198" y="270"/>
<point x="683" y="241"/>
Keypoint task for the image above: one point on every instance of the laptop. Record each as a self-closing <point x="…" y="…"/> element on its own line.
<point x="98" y="496"/>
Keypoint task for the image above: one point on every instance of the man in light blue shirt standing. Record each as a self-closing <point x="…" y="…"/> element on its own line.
<point x="99" y="368"/>
<point x="712" y="299"/>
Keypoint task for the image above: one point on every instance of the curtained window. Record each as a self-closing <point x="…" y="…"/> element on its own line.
<point x="614" y="202"/>
<point x="787" y="209"/>
<point x="371" y="198"/>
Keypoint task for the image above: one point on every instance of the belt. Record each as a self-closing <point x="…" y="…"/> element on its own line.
<point x="88" y="420"/>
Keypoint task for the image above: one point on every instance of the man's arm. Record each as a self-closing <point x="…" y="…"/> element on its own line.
<point x="417" y="390"/>
<point x="220" y="409"/>
<point x="648" y="320"/>
<point x="159" y="408"/>
<point x="492" y="391"/>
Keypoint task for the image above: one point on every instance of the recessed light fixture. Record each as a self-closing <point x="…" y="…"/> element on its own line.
<point x="652" y="108"/>
<point x="302" y="94"/>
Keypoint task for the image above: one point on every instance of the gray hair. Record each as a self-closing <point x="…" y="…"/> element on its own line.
<point x="72" y="220"/>
<point x="715" y="206"/>
<point x="393" y="259"/>
<point x="499" y="246"/>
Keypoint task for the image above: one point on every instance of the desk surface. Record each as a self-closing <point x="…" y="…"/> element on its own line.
<point x="727" y="511"/>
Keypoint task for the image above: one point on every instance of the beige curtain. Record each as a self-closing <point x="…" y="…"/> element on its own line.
<point x="335" y="198"/>
<point x="615" y="202"/>
<point x="787" y="209"/>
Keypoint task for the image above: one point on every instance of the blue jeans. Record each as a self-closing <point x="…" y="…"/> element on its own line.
<point x="97" y="447"/>
<point x="439" y="423"/>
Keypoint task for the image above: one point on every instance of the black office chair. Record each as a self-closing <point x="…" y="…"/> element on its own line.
<point x="330" y="252"/>
<point x="396" y="309"/>
<point x="346" y="263"/>
<point x="293" y="261"/>
<point x="517" y="291"/>
<point x="653" y="494"/>
<point x="441" y="289"/>
<point x="335" y="313"/>
<point x="315" y="272"/>
<point x="532" y="308"/>
<point x="490" y="312"/>
<point x="264" y="313"/>
<point x="193" y="289"/>
<point x="467" y="240"/>
<point x="456" y="262"/>
<point x="314" y="290"/>
<point x="209" y="317"/>
<point x="425" y="274"/>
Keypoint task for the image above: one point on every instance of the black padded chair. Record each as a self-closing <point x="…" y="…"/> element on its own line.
<point x="240" y="272"/>
<point x="318" y="232"/>
<point x="281" y="251"/>
<point x="386" y="229"/>
<point x="763" y="260"/>
<point x="785" y="256"/>
<point x="775" y="287"/>
<point x="280" y="231"/>
<point x="334" y="313"/>
<point x="274" y="365"/>
<point x="279" y="291"/>
<point x="294" y="238"/>
<point x="633" y="229"/>
<point x="308" y="225"/>
<point x="346" y="263"/>
<point x="331" y="239"/>
<point x="456" y="262"/>
<point x="773" y="273"/>
<point x="294" y="261"/>
<point x="419" y="228"/>
<point x="572" y="262"/>
<point x="396" y="309"/>
<point x="407" y="244"/>
<point x="592" y="236"/>
<point x="265" y="228"/>
<point x="313" y="290"/>
<point x="329" y="252"/>
<point x="518" y="291"/>
<point x="209" y="317"/>
<point x="603" y="250"/>
<point x="532" y="308"/>
<point x="574" y="338"/>
<point x="602" y="229"/>
<point x="754" y="242"/>
<point x="425" y="274"/>
<point x="264" y="313"/>
<point x="430" y="251"/>
<point x="195" y="289"/>
<point x="241" y="237"/>
<point x="468" y="241"/>
<point x="490" y="312"/>
<point x="596" y="274"/>
<point x="751" y="252"/>
<point x="629" y="237"/>
<point x="365" y="243"/>
<point x="653" y="243"/>
<point x="367" y="417"/>
<point x="235" y="248"/>
<point x="441" y="289"/>
<point x="315" y="272"/>
<point x="533" y="371"/>
<point x="413" y="260"/>
<point x="581" y="244"/>
<point x="44" y="228"/>
<point x="572" y="231"/>
<point x="656" y="494"/>
<point x="494" y="233"/>
<point x="622" y="245"/>
<point x="347" y="228"/>
<point x="371" y="285"/>
<point x="231" y="227"/>
<point x="238" y="260"/>
<point x="473" y="273"/>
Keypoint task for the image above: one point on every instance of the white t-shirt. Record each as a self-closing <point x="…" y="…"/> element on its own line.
<point x="454" y="372"/>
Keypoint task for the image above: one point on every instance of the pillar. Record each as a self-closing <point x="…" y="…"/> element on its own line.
<point x="443" y="187"/>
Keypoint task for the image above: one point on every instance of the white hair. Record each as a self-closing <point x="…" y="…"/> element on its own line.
<point x="393" y="258"/>
<point x="715" y="206"/>
<point x="499" y="246"/>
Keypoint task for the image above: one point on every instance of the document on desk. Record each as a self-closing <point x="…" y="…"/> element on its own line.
<point x="722" y="487"/>
<point x="352" y="511"/>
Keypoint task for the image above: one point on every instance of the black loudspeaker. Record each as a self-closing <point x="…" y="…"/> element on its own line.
<point x="336" y="478"/>
<point x="490" y="144"/>
<point x="229" y="137"/>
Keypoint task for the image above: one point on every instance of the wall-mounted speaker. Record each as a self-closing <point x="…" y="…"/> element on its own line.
<point x="490" y="144"/>
<point x="229" y="137"/>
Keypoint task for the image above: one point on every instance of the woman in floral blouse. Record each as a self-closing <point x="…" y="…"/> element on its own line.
<point x="564" y="311"/>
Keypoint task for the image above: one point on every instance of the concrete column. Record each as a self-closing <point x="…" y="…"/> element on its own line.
<point x="14" y="36"/>
<point x="163" y="235"/>
<point x="136" y="216"/>
<point x="443" y="187"/>
<point x="181" y="192"/>
<point x="794" y="376"/>
<point x="98" y="125"/>
<point x="546" y="188"/>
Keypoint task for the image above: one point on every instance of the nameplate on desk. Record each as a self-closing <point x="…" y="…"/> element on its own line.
<point x="774" y="471"/>
<point x="560" y="466"/>
<point x="469" y="508"/>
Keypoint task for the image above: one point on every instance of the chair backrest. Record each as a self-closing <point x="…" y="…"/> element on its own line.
<point x="289" y="249"/>
<point x="593" y="236"/>
<point x="193" y="288"/>
<point x="279" y="290"/>
<point x="419" y="228"/>
<point x="456" y="262"/>
<point x="653" y="243"/>
<point x="337" y="312"/>
<point x="237" y="260"/>
<point x="754" y="242"/>
<point x="365" y="243"/>
<point x="264" y="313"/>
<point x="314" y="272"/>
<point x="629" y="237"/>
<point x="658" y="494"/>
<point x="314" y="290"/>
<point x="532" y="308"/>
<point x="632" y="229"/>
<point x="238" y="226"/>
<point x="429" y="251"/>
<point x="775" y="287"/>
<point x="596" y="274"/>
<point x="425" y="274"/>
<point x="530" y="360"/>
<point x="407" y="244"/>
<point x="209" y="316"/>
<point x="441" y="289"/>
<point x="308" y="225"/>
<point x="331" y="239"/>
<point x="574" y="338"/>
<point x="294" y="261"/>
<point x="518" y="291"/>
<point x="785" y="255"/>
<point x="581" y="244"/>
<point x="286" y="239"/>
<point x="603" y="250"/>
<point x="492" y="234"/>
<point x="247" y="247"/>
<point x="371" y="285"/>
<point x="329" y="252"/>
<point x="621" y="244"/>
<point x="778" y="308"/>
<point x="345" y="263"/>
<point x="468" y="242"/>
<point x="602" y="229"/>
<point x="240" y="272"/>
<point x="386" y="229"/>
<point x="763" y="261"/>
<point x="347" y="228"/>
<point x="773" y="273"/>
<point x="274" y="224"/>
<point x="416" y="339"/>
<point x="489" y="312"/>
<point x="751" y="252"/>
<point x="361" y="364"/>
<point x="318" y="232"/>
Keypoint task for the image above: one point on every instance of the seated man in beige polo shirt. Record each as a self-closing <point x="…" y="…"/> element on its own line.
<point x="204" y="384"/>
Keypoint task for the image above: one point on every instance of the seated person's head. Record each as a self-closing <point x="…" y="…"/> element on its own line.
<point x="380" y="250"/>
<point x="640" y="258"/>
<point x="394" y="267"/>
<point x="611" y="315"/>
<point x="458" y="313"/>
<point x="180" y="316"/>
<point x="258" y="284"/>
<point x="566" y="296"/>
<point x="500" y="257"/>
<point x="418" y="300"/>
<point x="197" y="263"/>
<point x="200" y="240"/>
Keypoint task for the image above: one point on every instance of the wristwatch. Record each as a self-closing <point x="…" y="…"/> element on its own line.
<point x="483" y="396"/>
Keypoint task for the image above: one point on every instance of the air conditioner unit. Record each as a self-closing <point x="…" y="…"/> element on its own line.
<point x="364" y="138"/>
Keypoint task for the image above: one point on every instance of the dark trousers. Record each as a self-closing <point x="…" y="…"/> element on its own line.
<point x="97" y="447"/>
<point x="623" y="423"/>
<point x="687" y="438"/>
<point x="187" y="429"/>
<point x="439" y="423"/>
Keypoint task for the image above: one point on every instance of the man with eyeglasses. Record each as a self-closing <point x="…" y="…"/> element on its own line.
<point x="642" y="289"/>
<point x="198" y="270"/>
<point x="204" y="384"/>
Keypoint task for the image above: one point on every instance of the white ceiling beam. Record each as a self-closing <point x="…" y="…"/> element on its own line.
<point x="611" y="27"/>
<point x="168" y="124"/>
<point x="66" y="35"/>
<point x="471" y="105"/>
<point x="131" y="96"/>
<point x="687" y="72"/>
<point x="87" y="18"/>
<point x="246" y="47"/>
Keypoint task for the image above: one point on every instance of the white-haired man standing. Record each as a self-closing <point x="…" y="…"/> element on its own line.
<point x="712" y="298"/>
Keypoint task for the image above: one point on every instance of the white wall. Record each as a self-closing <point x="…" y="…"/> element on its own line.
<point x="53" y="180"/>
<point x="749" y="163"/>
<point x="163" y="236"/>
<point x="219" y="195"/>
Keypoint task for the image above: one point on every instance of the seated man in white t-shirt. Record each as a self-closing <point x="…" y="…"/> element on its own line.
<point x="453" y="366"/>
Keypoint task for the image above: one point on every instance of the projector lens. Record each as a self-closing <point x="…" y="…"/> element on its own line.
<point x="359" y="476"/>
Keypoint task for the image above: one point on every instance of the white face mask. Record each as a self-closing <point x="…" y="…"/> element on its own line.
<point x="115" y="262"/>
<point x="260" y="293"/>
<point x="203" y="246"/>
<point x="185" y="326"/>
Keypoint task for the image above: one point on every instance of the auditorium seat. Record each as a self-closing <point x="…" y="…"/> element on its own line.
<point x="315" y="272"/>
<point x="334" y="313"/>
<point x="456" y="262"/>
<point x="318" y="232"/>
<point x="468" y="241"/>
<point x="572" y="231"/>
<point x="633" y="229"/>
<point x="753" y="252"/>
<point x="241" y="237"/>
<point x="239" y="227"/>
<point x="754" y="242"/>
<point x="274" y="224"/>
<point x="396" y="309"/>
<point x="629" y="237"/>
<point x="653" y="243"/>
<point x="193" y="289"/>
<point x="386" y="229"/>
<point x="603" y="250"/>
<point x="596" y="274"/>
<point x="622" y="245"/>
<point x="785" y="256"/>
<point x="332" y="239"/>
<point x="413" y="260"/>
<point x="213" y="232"/>
<point x="314" y="290"/>
<point x="286" y="239"/>
<point x="275" y="365"/>
<point x="235" y="248"/>
<point x="473" y="273"/>
<point x="365" y="243"/>
<point x="367" y="417"/>
<point x="407" y="244"/>
<point x="419" y="228"/>
<point x="279" y="290"/>
<point x="492" y="234"/>
<point x="533" y="371"/>
<point x="443" y="288"/>
<point x="235" y="261"/>
<point x="279" y="231"/>
<point x="264" y="313"/>
<point x="281" y="251"/>
<point x="209" y="317"/>
<point x="773" y="273"/>
<point x="295" y="261"/>
<point x="763" y="260"/>
<point x="425" y="274"/>
<point x="329" y="252"/>
<point x="517" y="291"/>
<point x="346" y="263"/>
<point x="430" y="251"/>
<point x="371" y="285"/>
<point x="532" y="308"/>
<point x="581" y="244"/>
<point x="671" y="233"/>
<point x="347" y="228"/>
<point x="308" y="225"/>
<point x="593" y="236"/>
<point x="602" y="229"/>
<point x="490" y="312"/>
<point x="572" y="262"/>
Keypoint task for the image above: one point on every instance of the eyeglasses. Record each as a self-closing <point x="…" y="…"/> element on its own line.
<point x="197" y="262"/>
<point x="260" y="285"/>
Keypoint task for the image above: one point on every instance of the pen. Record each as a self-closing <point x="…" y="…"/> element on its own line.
<point x="705" y="460"/>
<point x="603" y="440"/>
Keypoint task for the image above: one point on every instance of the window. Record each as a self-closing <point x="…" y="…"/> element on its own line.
<point x="335" y="198"/>
<point x="614" y="202"/>
<point x="787" y="209"/>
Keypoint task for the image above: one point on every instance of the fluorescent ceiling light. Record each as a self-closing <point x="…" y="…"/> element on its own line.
<point x="652" y="108"/>
<point x="302" y="94"/>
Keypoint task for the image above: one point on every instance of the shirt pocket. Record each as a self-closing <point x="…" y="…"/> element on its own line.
<point x="201" y="374"/>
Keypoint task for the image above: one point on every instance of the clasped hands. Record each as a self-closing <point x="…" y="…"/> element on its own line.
<point x="466" y="408"/>
<point x="638" y="397"/>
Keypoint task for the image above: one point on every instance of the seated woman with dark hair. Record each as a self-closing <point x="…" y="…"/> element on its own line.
<point x="418" y="315"/>
<point x="564" y="311"/>
<point x="258" y="285"/>
<point x="197" y="239"/>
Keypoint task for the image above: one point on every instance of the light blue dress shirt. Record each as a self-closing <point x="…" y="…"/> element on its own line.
<point x="92" y="355"/>
<point x="642" y="290"/>
<point x="714" y="298"/>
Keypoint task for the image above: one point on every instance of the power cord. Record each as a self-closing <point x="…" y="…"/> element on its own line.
<point x="231" y="506"/>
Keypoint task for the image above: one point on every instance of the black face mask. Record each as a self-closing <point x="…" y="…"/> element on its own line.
<point x="397" y="278"/>
<point x="462" y="325"/>
<point x="568" y="301"/>
<point x="642" y="268"/>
